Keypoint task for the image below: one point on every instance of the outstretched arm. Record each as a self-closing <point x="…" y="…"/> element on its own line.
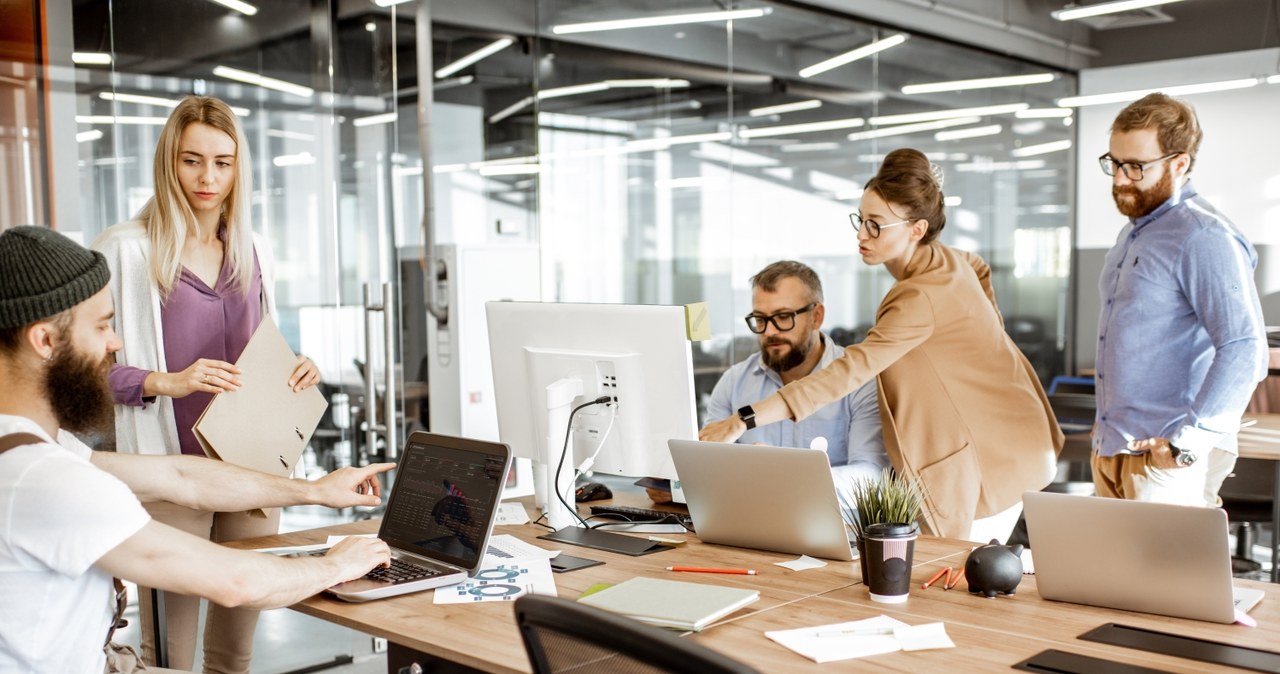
<point x="211" y="485"/>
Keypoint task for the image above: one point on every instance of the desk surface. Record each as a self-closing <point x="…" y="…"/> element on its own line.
<point x="990" y="634"/>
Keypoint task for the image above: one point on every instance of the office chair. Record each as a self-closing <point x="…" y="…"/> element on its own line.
<point x="565" y="636"/>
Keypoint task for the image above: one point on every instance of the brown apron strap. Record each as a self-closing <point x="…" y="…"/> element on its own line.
<point x="12" y="440"/>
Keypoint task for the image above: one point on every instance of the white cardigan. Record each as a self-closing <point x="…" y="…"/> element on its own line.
<point x="151" y="429"/>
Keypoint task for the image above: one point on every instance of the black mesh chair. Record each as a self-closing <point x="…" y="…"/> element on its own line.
<point x="564" y="636"/>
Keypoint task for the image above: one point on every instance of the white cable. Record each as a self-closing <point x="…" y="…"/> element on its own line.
<point x="591" y="460"/>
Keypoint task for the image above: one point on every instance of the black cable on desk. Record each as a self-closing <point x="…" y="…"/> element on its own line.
<point x="564" y="451"/>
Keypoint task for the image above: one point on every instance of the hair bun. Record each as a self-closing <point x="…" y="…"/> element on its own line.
<point x="936" y="172"/>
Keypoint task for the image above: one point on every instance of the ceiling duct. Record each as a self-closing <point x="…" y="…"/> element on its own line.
<point x="1146" y="16"/>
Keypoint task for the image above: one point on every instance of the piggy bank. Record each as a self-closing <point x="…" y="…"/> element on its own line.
<point x="994" y="568"/>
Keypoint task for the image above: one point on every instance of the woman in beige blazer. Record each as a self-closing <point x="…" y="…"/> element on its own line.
<point x="961" y="406"/>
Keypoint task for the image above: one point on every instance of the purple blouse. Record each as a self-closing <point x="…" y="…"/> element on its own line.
<point x="197" y="322"/>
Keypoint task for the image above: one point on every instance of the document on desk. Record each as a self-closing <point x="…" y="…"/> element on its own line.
<point x="264" y="425"/>
<point x="861" y="638"/>
<point x="506" y="580"/>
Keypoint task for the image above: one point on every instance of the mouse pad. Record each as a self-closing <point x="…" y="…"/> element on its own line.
<point x="603" y="540"/>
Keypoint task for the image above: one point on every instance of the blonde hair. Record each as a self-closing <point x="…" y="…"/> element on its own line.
<point x="167" y="216"/>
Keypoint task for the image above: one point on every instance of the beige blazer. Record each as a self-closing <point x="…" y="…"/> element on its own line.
<point x="962" y="408"/>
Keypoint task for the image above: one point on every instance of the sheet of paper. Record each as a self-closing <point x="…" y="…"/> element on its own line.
<point x="1028" y="565"/>
<point x="505" y="581"/>
<point x="512" y="513"/>
<point x="842" y="641"/>
<point x="503" y="547"/>
<point x="923" y="637"/>
<point x="286" y="550"/>
<point x="803" y="563"/>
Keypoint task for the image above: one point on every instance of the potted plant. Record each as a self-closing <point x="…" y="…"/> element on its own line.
<point x="888" y="499"/>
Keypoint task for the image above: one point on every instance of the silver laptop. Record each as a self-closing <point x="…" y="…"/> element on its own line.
<point x="1150" y="557"/>
<point x="439" y="516"/>
<point x="766" y="498"/>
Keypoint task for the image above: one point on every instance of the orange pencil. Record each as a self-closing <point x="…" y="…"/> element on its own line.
<point x="941" y="572"/>
<point x="698" y="569"/>
<point x="955" y="582"/>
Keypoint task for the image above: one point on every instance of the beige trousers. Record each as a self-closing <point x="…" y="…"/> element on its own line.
<point x="228" y="632"/>
<point x="1129" y="476"/>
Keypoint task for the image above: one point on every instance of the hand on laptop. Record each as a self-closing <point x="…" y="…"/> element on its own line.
<point x="350" y="486"/>
<point x="357" y="555"/>
<point x="725" y="430"/>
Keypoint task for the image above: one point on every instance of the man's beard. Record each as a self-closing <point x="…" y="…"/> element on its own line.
<point x="793" y="357"/>
<point x="77" y="389"/>
<point x="1144" y="201"/>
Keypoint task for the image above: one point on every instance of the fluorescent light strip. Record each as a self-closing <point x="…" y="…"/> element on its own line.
<point x="155" y="100"/>
<point x="588" y="88"/>
<point x="1133" y="95"/>
<point x="1042" y="148"/>
<point x="242" y="7"/>
<point x="1101" y="8"/>
<point x="952" y="200"/>
<point x="810" y="127"/>
<point x="389" y="3"/>
<point x="982" y="111"/>
<point x="981" y="83"/>
<point x="993" y="166"/>
<point x="663" y="143"/>
<point x="1043" y="113"/>
<point x="475" y="56"/>
<point x="121" y="119"/>
<point x="1274" y="79"/>
<point x="90" y="58"/>
<point x="291" y="135"/>
<point x="811" y="147"/>
<point x="670" y="20"/>
<point x="300" y="159"/>
<point x="851" y="56"/>
<point x="510" y="169"/>
<point x="904" y="129"/>
<point x="263" y="81"/>
<point x="975" y="132"/>
<point x="86" y="136"/>
<point x="384" y="118"/>
<point x="785" y="108"/>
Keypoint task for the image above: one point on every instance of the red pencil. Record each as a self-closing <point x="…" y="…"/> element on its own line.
<point x="697" y="569"/>
<point x="955" y="582"/>
<point x="941" y="572"/>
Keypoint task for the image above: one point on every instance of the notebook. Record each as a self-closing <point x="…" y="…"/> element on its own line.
<point x="671" y="603"/>
<point x="264" y="425"/>
<point x="439" y="516"/>
<point x="1149" y="557"/>
<point x="766" y="498"/>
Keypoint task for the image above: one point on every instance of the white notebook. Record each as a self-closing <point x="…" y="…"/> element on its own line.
<point x="671" y="603"/>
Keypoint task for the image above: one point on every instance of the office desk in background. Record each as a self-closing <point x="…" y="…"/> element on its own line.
<point x="990" y="634"/>
<point x="1262" y="441"/>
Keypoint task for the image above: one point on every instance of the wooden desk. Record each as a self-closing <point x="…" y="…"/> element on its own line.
<point x="990" y="634"/>
<point x="1262" y="441"/>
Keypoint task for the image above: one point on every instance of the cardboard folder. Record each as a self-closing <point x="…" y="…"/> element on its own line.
<point x="264" y="425"/>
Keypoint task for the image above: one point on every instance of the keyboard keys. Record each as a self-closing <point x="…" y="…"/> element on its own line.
<point x="400" y="572"/>
<point x="647" y="515"/>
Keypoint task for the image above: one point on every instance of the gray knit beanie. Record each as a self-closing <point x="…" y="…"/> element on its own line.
<point x="43" y="273"/>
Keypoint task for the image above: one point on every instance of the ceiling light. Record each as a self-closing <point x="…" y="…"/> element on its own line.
<point x="904" y="129"/>
<point x="1133" y="95"/>
<point x="785" y="108"/>
<point x="384" y="118"/>
<point x="948" y="114"/>
<point x="389" y="3"/>
<point x="669" y="20"/>
<point x="588" y="88"/>
<point x="156" y="100"/>
<point x="1043" y="113"/>
<point x="300" y="159"/>
<point x="1073" y="13"/>
<point x="1042" y="148"/>
<point x="664" y="143"/>
<point x="90" y="58"/>
<point x="242" y="7"/>
<point x="1274" y="79"/>
<point x="86" y="136"/>
<point x="952" y="200"/>
<point x="263" y="81"/>
<point x="961" y="134"/>
<point x="121" y="119"/>
<point x="811" y="127"/>
<point x="475" y="56"/>
<point x="988" y="166"/>
<point x="981" y="83"/>
<point x="851" y="56"/>
<point x="811" y="147"/>
<point x="510" y="169"/>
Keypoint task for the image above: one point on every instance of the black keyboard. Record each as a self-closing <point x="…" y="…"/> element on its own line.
<point x="647" y="515"/>
<point x="400" y="572"/>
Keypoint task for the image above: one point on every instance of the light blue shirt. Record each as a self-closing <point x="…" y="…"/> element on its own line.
<point x="851" y="425"/>
<point x="1181" y="343"/>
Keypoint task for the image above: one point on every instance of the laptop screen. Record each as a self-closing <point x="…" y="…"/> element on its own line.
<point x="444" y="497"/>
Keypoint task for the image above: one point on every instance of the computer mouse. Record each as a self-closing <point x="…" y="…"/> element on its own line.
<point x="592" y="491"/>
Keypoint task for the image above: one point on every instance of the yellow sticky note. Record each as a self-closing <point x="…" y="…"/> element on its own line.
<point x="697" y="321"/>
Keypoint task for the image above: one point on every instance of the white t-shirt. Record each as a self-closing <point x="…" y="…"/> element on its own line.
<point x="59" y="514"/>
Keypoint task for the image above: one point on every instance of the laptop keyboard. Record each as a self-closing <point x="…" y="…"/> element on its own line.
<point x="633" y="514"/>
<point x="400" y="572"/>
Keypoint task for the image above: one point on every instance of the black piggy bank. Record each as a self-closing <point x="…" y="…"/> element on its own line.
<point x="994" y="568"/>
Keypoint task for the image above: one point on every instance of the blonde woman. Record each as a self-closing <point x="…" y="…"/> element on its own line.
<point x="961" y="406"/>
<point x="191" y="282"/>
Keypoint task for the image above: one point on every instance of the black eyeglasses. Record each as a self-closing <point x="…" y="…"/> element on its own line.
<point x="873" y="227"/>
<point x="1132" y="169"/>
<point x="782" y="320"/>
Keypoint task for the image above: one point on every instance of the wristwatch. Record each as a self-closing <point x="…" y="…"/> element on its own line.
<point x="748" y="416"/>
<point x="1181" y="456"/>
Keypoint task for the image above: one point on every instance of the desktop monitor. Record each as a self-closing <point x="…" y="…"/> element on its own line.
<point x="550" y="357"/>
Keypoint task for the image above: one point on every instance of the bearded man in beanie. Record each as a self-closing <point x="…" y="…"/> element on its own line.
<point x="71" y="518"/>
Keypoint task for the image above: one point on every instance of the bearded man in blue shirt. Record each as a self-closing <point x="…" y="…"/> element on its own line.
<point x="1181" y="343"/>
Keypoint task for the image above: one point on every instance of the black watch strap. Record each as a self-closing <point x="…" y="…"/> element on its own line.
<point x="748" y="416"/>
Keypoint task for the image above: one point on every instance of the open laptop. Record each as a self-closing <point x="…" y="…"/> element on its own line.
<point x="439" y="515"/>
<point x="1150" y="557"/>
<point x="767" y="498"/>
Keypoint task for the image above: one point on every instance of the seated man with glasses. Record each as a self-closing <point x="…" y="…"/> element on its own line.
<point x="786" y="316"/>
